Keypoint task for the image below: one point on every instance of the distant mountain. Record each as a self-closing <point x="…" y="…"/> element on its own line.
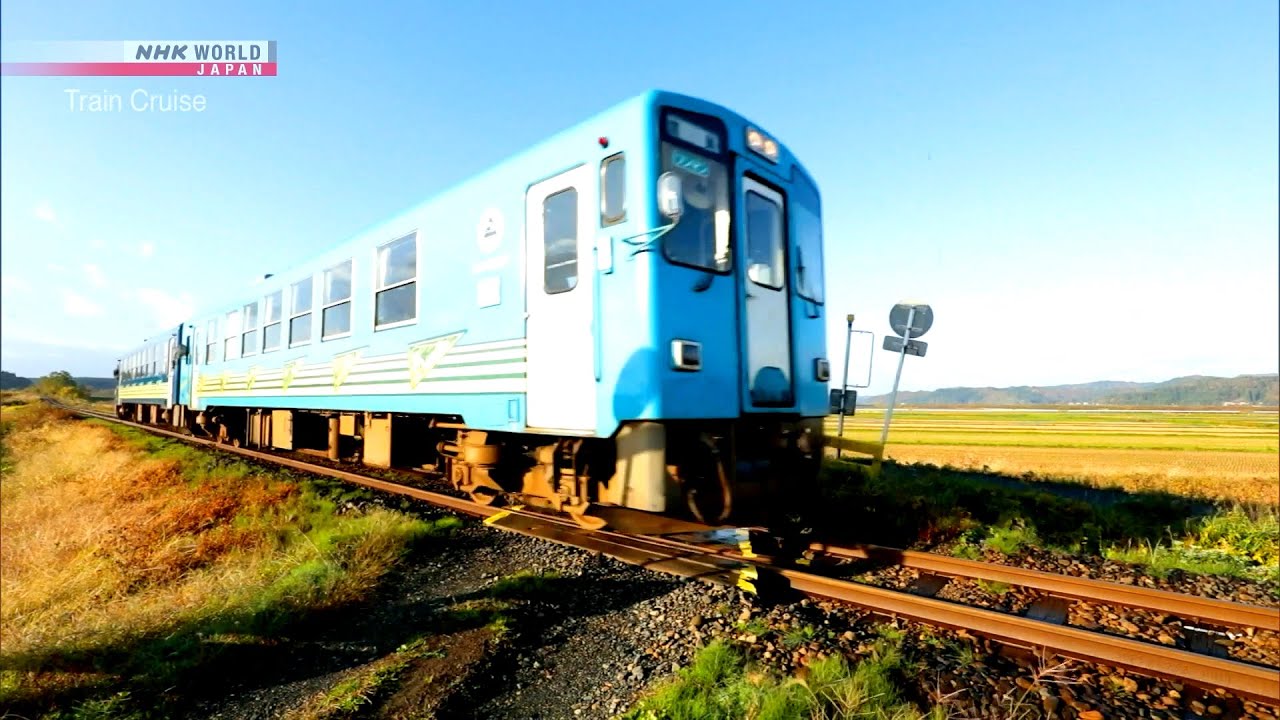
<point x="1193" y="390"/>
<point x="9" y="381"/>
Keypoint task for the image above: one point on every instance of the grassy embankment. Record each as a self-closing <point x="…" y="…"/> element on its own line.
<point x="1194" y="491"/>
<point x="721" y="684"/>
<point x="133" y="567"/>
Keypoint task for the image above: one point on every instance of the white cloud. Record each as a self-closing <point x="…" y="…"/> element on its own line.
<point x="166" y="309"/>
<point x="55" y="267"/>
<point x="10" y="284"/>
<point x="40" y="337"/>
<point x="44" y="211"/>
<point x="96" y="277"/>
<point x="146" y="249"/>
<point x="97" y="243"/>
<point x="77" y="305"/>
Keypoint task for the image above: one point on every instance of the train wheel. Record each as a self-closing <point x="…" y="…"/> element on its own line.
<point x="704" y="480"/>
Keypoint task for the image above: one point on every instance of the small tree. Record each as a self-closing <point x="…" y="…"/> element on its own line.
<point x="61" y="384"/>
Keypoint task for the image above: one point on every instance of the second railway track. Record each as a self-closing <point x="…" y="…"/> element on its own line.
<point x="716" y="562"/>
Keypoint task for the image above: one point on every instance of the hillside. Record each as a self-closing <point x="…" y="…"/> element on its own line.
<point x="1192" y="390"/>
<point x="9" y="381"/>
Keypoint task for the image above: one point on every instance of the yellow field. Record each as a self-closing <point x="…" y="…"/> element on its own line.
<point x="1218" y="455"/>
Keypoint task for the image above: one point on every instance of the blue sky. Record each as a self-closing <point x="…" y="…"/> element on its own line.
<point x="1082" y="191"/>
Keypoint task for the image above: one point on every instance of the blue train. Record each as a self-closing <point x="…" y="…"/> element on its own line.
<point x="629" y="313"/>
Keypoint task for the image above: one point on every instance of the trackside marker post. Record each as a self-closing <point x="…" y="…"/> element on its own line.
<point x="844" y="383"/>
<point x="907" y="320"/>
<point x="842" y="403"/>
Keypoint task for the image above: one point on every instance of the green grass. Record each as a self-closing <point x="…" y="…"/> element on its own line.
<point x="721" y="685"/>
<point x="361" y="691"/>
<point x="1011" y="538"/>
<point x="1237" y="542"/>
<point x="922" y="506"/>
<point x="197" y="554"/>
<point x="796" y="637"/>
<point x="525" y="585"/>
<point x="994" y="587"/>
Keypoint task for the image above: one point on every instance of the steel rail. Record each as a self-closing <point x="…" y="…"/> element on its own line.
<point x="1247" y="680"/>
<point x="1250" y="681"/>
<point x="1189" y="607"/>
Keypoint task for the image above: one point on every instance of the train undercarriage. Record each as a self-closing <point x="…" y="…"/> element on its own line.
<point x="741" y="471"/>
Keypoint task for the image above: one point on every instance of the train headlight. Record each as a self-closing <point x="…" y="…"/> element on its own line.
<point x="686" y="355"/>
<point x="762" y="144"/>
<point x="821" y="370"/>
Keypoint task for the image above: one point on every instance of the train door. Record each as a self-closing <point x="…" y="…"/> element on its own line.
<point x="766" y="321"/>
<point x="559" y="277"/>
<point x="186" y="336"/>
<point x="170" y="370"/>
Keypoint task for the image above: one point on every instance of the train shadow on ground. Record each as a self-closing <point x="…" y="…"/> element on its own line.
<point x="923" y="506"/>
<point x="198" y="666"/>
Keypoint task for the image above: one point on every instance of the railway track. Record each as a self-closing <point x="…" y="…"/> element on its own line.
<point x="701" y="552"/>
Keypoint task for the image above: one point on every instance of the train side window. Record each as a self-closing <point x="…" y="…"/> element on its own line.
<point x="613" y="190"/>
<point x="231" y="341"/>
<point x="271" y="321"/>
<point x="805" y="208"/>
<point x="560" y="242"/>
<point x="396" y="295"/>
<point x="249" y="338"/>
<point x="335" y="315"/>
<point x="211" y="341"/>
<point x="300" y="306"/>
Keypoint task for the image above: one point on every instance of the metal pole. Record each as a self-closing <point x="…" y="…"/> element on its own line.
<point x="893" y="396"/>
<point x="844" y="384"/>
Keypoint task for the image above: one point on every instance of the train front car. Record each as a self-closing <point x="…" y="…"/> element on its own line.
<point x="737" y="315"/>
<point x="628" y="314"/>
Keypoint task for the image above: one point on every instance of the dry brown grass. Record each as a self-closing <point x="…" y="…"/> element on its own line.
<point x="1231" y="476"/>
<point x="105" y="546"/>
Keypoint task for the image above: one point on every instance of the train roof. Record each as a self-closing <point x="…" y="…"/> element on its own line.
<point x="634" y="106"/>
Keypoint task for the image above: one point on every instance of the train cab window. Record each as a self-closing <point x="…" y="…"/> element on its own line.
<point x="300" y="298"/>
<point x="560" y="242"/>
<point x="249" y="336"/>
<point x="231" y="342"/>
<point x="211" y="341"/>
<point x="271" y="311"/>
<point x="613" y="190"/>
<point x="764" y="241"/>
<point x="335" y="316"/>
<point x="396" y="299"/>
<point x="701" y="239"/>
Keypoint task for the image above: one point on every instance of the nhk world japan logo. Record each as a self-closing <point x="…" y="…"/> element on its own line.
<point x="141" y="58"/>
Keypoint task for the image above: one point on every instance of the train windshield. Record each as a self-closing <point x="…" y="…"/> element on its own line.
<point x="701" y="238"/>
